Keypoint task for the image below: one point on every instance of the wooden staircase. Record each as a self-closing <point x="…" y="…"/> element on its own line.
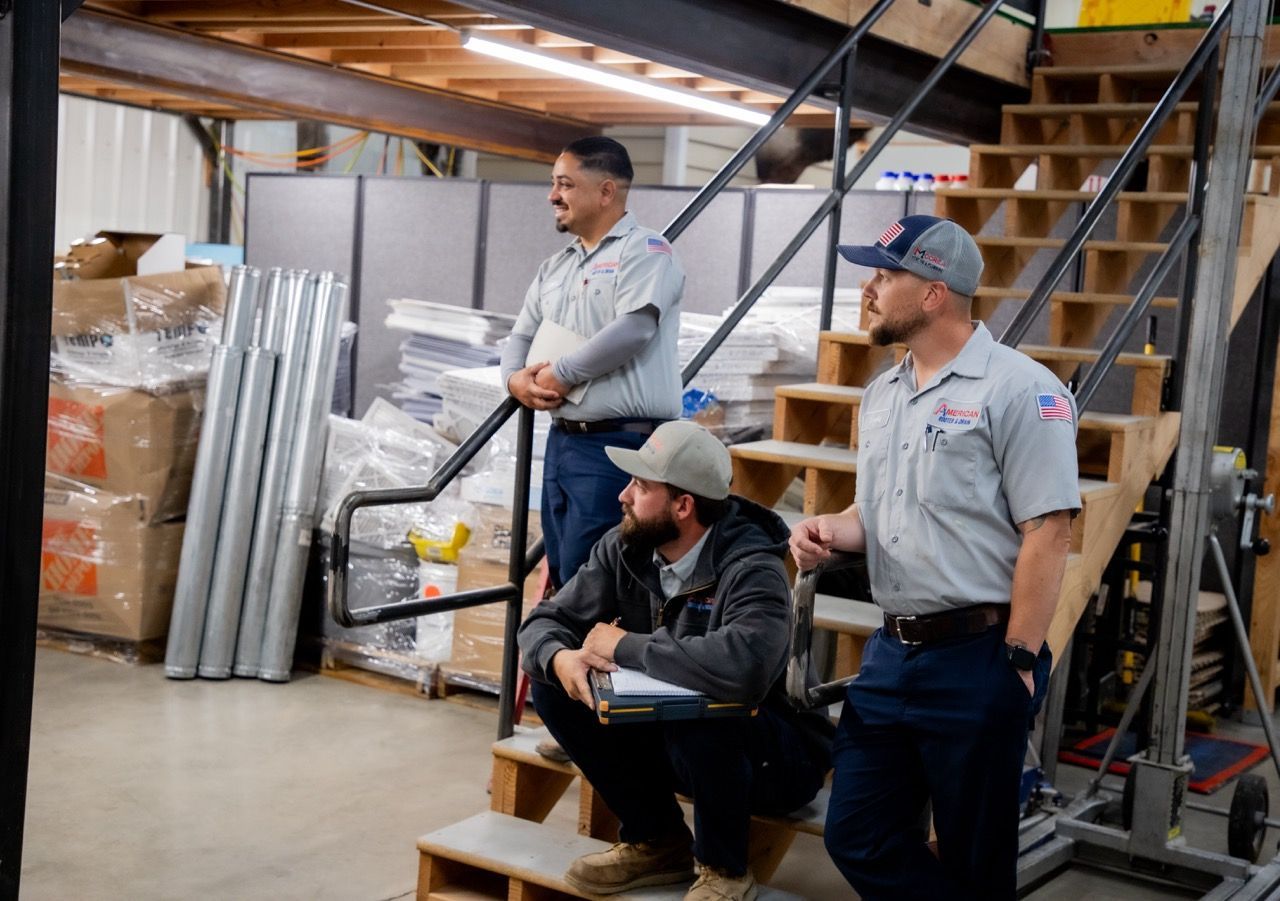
<point x="1078" y="118"/>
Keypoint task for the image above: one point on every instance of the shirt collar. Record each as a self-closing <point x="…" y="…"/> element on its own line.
<point x="970" y="363"/>
<point x="620" y="228"/>
<point x="683" y="568"/>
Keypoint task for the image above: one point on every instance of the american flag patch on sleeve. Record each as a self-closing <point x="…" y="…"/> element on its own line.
<point x="1053" y="406"/>
<point x="657" y="245"/>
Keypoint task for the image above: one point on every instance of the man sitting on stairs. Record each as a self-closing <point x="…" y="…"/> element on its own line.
<point x="966" y="486"/>
<point x="690" y="588"/>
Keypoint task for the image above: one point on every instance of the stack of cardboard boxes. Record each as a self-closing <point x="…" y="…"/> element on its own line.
<point x="131" y="349"/>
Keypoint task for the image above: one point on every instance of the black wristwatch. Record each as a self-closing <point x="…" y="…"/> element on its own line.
<point x="1021" y="658"/>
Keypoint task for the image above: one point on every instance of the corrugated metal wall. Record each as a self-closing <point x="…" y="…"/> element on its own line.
<point x="125" y="168"/>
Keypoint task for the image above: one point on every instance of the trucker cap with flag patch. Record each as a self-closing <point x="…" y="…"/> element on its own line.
<point x="932" y="248"/>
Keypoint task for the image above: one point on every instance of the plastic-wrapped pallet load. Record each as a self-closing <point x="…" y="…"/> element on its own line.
<point x="130" y="355"/>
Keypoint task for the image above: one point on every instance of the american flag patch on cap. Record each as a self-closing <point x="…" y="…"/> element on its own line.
<point x="657" y="245"/>
<point x="889" y="234"/>
<point x="1053" y="406"/>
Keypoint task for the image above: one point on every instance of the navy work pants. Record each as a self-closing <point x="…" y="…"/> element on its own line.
<point x="732" y="767"/>
<point x="580" y="489"/>
<point x="945" y="722"/>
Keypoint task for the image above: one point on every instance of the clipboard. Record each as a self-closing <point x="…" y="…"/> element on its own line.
<point x="551" y="342"/>
<point x="615" y="708"/>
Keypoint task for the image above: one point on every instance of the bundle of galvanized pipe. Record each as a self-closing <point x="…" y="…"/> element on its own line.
<point x="253" y="495"/>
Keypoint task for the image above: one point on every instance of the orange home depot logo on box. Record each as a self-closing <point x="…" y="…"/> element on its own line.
<point x="75" y="439"/>
<point x="67" y="558"/>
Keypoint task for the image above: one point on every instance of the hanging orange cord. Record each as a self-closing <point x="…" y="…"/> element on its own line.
<point x="302" y="159"/>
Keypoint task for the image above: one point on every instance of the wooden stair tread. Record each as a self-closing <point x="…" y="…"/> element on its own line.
<point x="1103" y="151"/>
<point x="846" y="615"/>
<point x="819" y="391"/>
<point x="1141" y="70"/>
<point x="1056" y="195"/>
<point x="1035" y="351"/>
<point x="1096" y="489"/>
<point x="1101" y="109"/>
<point x="1072" y="296"/>
<point x="809" y="819"/>
<point x="1050" y="243"/>
<point x="537" y="854"/>
<point x="1114" y="422"/>
<point x="795" y="453"/>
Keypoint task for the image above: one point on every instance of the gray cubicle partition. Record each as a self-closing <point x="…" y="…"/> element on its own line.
<point x="419" y="238"/>
<point x="520" y="234"/>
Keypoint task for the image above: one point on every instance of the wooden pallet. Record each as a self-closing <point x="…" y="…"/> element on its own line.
<point x="377" y="668"/>
<point x="118" y="650"/>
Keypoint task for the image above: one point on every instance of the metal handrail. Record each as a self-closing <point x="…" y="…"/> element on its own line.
<point x="802" y="691"/>
<point x="1021" y="322"/>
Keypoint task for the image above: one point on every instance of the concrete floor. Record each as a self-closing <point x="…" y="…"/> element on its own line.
<point x="144" y="788"/>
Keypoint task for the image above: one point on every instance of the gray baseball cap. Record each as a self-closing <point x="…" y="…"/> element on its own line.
<point x="680" y="453"/>
<point x="930" y="247"/>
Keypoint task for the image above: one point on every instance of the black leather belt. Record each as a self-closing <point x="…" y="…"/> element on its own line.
<point x="592" y="427"/>
<point x="916" y="630"/>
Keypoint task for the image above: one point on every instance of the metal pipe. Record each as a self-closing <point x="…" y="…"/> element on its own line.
<point x="280" y="632"/>
<point x="240" y="497"/>
<point x="1036" y="52"/>
<point x="748" y="150"/>
<point x="1246" y="652"/>
<point x="1126" y="718"/>
<point x="266" y="524"/>
<point x="516" y="572"/>
<point x="1195" y="207"/>
<point x="204" y="508"/>
<point x="838" y="162"/>
<point x="1265" y="96"/>
<point x="1133" y="315"/>
<point x="1021" y="322"/>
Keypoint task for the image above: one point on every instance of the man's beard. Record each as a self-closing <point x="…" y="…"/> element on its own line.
<point x="649" y="534"/>
<point x="561" y="227"/>
<point x="885" y="332"/>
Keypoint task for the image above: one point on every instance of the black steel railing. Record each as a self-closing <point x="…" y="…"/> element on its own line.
<point x="522" y="562"/>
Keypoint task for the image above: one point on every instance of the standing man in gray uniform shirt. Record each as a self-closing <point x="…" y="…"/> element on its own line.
<point x="618" y="285"/>
<point x="967" y="483"/>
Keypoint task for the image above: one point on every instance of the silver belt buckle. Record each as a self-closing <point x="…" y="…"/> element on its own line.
<point x="898" y="621"/>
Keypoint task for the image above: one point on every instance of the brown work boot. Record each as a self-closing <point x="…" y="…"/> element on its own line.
<point x="626" y="866"/>
<point x="717" y="885"/>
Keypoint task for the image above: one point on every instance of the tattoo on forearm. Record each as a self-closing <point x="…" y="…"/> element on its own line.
<point x="1032" y="525"/>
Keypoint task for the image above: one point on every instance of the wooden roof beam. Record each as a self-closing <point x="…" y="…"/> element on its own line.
<point x="222" y="72"/>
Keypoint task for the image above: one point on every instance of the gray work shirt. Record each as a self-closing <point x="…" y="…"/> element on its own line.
<point x="946" y="472"/>
<point x="674" y="577"/>
<point x="631" y="268"/>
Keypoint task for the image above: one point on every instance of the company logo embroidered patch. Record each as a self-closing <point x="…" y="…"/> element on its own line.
<point x="657" y="245"/>
<point x="955" y="416"/>
<point x="605" y="267"/>
<point x="1053" y="406"/>
<point x="889" y="234"/>
<point x="933" y="261"/>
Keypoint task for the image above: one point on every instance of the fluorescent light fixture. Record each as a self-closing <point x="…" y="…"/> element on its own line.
<point x="601" y="75"/>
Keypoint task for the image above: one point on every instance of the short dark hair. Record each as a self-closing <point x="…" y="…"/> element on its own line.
<point x="707" y="511"/>
<point x="600" y="154"/>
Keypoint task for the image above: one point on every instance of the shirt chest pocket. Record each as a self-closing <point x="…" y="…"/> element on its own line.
<point x="600" y="287"/>
<point x="948" y="472"/>
<point x="873" y="454"/>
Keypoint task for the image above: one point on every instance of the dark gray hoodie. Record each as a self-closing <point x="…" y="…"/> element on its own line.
<point x="725" y="636"/>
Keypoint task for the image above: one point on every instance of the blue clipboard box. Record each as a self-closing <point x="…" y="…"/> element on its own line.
<point x="615" y="708"/>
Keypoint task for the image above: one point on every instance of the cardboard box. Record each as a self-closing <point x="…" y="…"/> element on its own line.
<point x="127" y="442"/>
<point x="153" y="332"/>
<point x="102" y="569"/>
<point x="478" y="631"/>
<point x="115" y="254"/>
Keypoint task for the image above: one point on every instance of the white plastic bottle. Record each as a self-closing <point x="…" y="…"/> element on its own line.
<point x="925" y="182"/>
<point x="906" y="181"/>
<point x="942" y="183"/>
<point x="888" y="181"/>
<point x="959" y="181"/>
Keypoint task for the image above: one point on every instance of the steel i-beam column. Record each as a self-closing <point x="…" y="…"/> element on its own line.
<point x="28" y="159"/>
